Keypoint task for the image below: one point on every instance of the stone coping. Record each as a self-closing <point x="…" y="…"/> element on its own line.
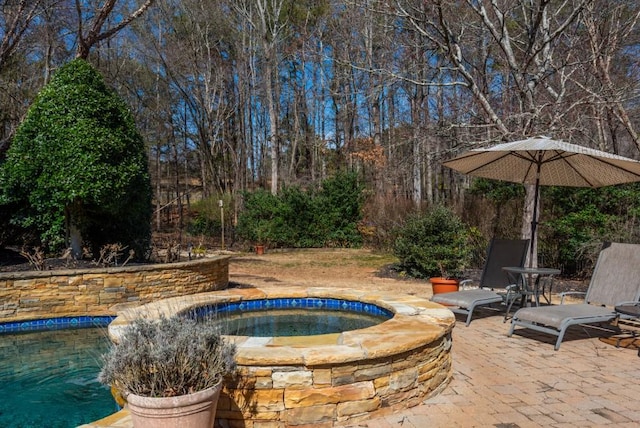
<point x="140" y="267"/>
<point x="417" y="322"/>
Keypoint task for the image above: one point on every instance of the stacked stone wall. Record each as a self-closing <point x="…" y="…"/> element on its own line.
<point x="46" y="294"/>
<point x="328" y="396"/>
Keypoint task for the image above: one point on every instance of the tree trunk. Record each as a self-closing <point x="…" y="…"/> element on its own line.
<point x="75" y="238"/>
<point x="75" y="235"/>
<point x="273" y="126"/>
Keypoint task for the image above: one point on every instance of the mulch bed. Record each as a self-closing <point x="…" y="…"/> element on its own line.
<point x="12" y="261"/>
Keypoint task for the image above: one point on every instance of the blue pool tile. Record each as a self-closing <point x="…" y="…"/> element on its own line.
<point x="55" y="323"/>
<point x="289" y="303"/>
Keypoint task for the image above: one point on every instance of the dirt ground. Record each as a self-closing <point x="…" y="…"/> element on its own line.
<point x="340" y="268"/>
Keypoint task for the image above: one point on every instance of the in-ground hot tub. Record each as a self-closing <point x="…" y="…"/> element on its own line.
<point x="329" y="379"/>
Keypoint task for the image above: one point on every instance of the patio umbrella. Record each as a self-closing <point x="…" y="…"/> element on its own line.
<point x="542" y="161"/>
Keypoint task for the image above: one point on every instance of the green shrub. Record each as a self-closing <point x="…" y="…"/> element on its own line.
<point x="296" y="218"/>
<point x="575" y="222"/>
<point x="206" y="217"/>
<point x="436" y="243"/>
<point x="255" y="222"/>
<point x="203" y="225"/>
<point x="338" y="208"/>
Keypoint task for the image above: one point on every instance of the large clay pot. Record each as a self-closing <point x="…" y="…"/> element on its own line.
<point x="444" y="285"/>
<point x="197" y="410"/>
<point x="259" y="250"/>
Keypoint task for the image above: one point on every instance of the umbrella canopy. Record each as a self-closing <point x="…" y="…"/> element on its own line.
<point x="543" y="161"/>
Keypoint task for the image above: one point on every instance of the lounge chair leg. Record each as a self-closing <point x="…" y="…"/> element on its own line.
<point x="559" y="341"/>
<point x="509" y="305"/>
<point x="469" y="315"/>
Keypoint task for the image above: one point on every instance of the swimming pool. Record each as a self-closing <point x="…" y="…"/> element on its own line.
<point x="48" y="378"/>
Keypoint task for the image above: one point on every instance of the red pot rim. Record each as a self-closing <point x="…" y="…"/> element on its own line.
<point x="444" y="280"/>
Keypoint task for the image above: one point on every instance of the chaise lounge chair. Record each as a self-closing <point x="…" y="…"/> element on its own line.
<point x="495" y="286"/>
<point x="615" y="280"/>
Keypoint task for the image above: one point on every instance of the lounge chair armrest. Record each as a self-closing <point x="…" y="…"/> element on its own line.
<point x="465" y="284"/>
<point x="570" y="293"/>
<point x="630" y="303"/>
<point x="512" y="289"/>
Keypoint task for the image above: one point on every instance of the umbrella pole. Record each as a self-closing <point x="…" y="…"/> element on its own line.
<point x="534" y="220"/>
<point x="534" y="225"/>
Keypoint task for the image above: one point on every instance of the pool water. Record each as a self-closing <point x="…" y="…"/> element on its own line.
<point x="308" y="316"/>
<point x="293" y="322"/>
<point x="49" y="378"/>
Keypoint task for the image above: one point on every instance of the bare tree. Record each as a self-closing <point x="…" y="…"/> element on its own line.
<point x="524" y="53"/>
<point x="612" y="28"/>
<point x="18" y="78"/>
<point x="15" y="19"/>
<point x="269" y="20"/>
<point x="94" y="33"/>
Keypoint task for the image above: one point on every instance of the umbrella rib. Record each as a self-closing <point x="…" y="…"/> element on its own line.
<point x="628" y="171"/>
<point x="565" y="159"/>
<point x="531" y="159"/>
<point x="484" y="165"/>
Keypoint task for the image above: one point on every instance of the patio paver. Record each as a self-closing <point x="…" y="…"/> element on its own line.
<point x="522" y="382"/>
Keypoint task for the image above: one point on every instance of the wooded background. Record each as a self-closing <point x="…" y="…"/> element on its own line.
<point x="236" y="95"/>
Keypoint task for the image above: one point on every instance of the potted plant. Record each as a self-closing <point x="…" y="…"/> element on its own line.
<point x="441" y="285"/>
<point x="169" y="371"/>
<point x="262" y="233"/>
<point x="447" y="282"/>
<point x="435" y="245"/>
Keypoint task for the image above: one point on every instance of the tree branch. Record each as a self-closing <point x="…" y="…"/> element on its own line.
<point x="95" y="34"/>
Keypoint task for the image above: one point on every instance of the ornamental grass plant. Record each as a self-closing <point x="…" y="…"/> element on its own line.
<point x="168" y="357"/>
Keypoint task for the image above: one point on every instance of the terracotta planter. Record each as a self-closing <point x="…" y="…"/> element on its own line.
<point x="259" y="250"/>
<point x="197" y="410"/>
<point x="444" y="285"/>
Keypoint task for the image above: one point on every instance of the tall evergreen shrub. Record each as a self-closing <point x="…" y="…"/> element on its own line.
<point x="77" y="167"/>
